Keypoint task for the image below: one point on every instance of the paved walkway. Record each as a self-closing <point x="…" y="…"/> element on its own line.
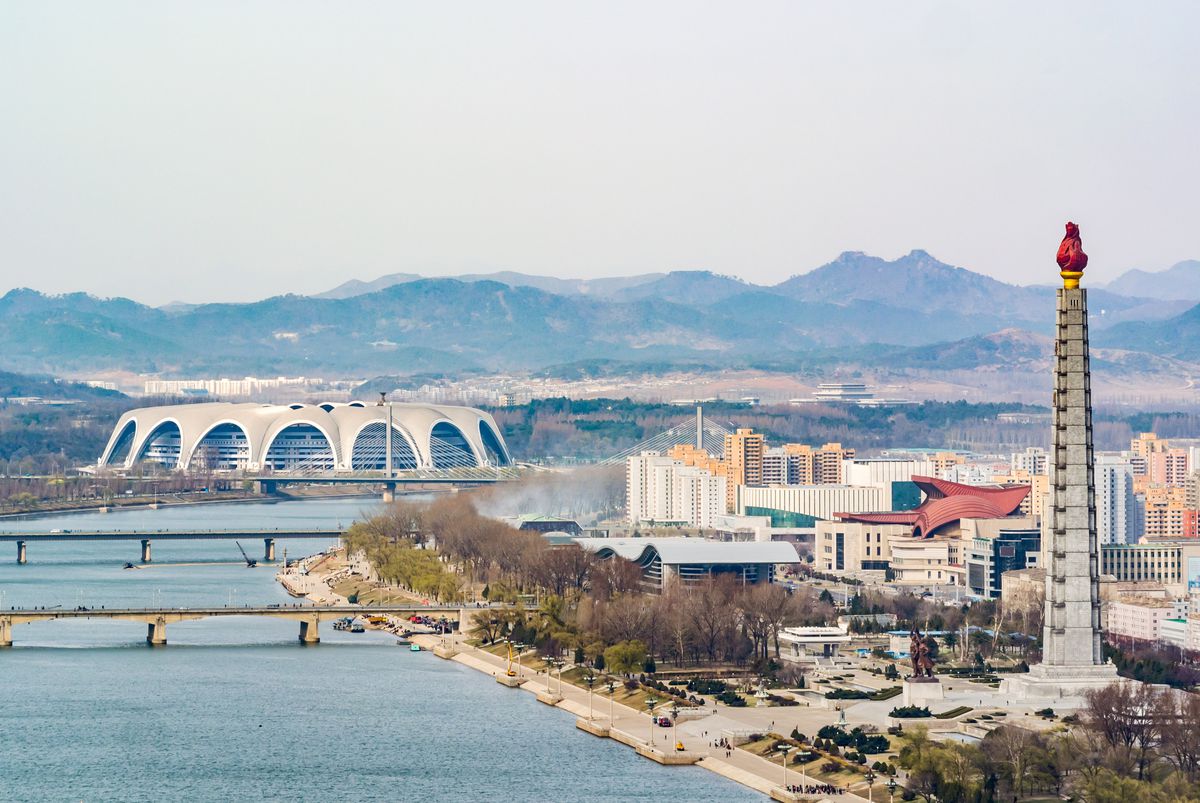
<point x="697" y="735"/>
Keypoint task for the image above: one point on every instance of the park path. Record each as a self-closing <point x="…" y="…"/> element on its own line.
<point x="697" y="735"/>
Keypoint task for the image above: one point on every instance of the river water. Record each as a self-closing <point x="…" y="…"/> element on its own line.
<point x="236" y="709"/>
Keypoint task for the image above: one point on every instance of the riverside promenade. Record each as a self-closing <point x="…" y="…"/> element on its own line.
<point x="629" y="726"/>
<point x="635" y="729"/>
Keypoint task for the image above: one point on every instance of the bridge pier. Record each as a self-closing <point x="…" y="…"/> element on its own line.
<point x="6" y="632"/>
<point x="308" y="631"/>
<point x="266" y="487"/>
<point x="156" y="632"/>
<point x="389" y="492"/>
<point x="145" y="550"/>
<point x="269" y="549"/>
<point x="21" y="552"/>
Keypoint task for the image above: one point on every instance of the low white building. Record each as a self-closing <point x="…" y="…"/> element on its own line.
<point x="812" y="643"/>
<point x="1140" y="617"/>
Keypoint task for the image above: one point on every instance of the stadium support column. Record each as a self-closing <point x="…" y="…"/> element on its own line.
<point x="387" y="447"/>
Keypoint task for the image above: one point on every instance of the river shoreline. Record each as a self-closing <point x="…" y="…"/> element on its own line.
<point x="736" y="765"/>
<point x="148" y="503"/>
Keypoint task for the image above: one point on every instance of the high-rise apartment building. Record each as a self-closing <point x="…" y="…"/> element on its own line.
<point x="1117" y="512"/>
<point x="664" y="490"/>
<point x="1167" y="515"/>
<point x="1031" y="461"/>
<point x="823" y="466"/>
<point x="743" y="460"/>
<point x="1168" y="467"/>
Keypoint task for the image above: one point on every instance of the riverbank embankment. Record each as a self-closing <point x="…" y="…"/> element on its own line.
<point x="65" y="507"/>
<point x="707" y="740"/>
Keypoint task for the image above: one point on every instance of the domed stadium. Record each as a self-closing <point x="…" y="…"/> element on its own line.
<point x="306" y="438"/>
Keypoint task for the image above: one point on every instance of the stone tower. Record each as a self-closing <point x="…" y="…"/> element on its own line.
<point x="1071" y="634"/>
<point x="1072" y="660"/>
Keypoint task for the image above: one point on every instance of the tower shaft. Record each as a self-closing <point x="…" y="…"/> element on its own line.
<point x="1071" y="636"/>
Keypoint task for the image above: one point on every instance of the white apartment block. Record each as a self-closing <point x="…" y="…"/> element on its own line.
<point x="662" y="489"/>
<point x="1118" y="520"/>
<point x="1140" y="617"/>
<point x="1032" y="460"/>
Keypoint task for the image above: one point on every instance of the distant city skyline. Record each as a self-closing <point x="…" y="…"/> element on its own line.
<point x="277" y="147"/>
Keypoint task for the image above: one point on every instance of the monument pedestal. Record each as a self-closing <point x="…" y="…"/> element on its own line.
<point x="922" y="691"/>
<point x="1062" y="685"/>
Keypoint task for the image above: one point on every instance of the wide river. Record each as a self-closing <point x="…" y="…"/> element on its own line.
<point x="236" y="709"/>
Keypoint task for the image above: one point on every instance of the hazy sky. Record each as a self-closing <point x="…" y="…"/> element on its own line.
<point x="232" y="150"/>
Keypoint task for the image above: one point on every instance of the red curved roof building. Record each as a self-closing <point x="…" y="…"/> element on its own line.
<point x="945" y="503"/>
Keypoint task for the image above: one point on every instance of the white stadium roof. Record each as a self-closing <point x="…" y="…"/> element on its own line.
<point x="323" y="437"/>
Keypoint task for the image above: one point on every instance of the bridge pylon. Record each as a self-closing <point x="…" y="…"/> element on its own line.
<point x="156" y="632"/>
<point x="308" y="631"/>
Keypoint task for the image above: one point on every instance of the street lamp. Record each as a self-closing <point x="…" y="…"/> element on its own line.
<point x="590" y="680"/>
<point x="870" y="786"/>
<point x="519" y="646"/>
<point x="650" y="703"/>
<point x="891" y="785"/>
<point x="783" y="751"/>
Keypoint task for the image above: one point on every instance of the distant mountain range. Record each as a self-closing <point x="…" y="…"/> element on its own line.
<point x="858" y="309"/>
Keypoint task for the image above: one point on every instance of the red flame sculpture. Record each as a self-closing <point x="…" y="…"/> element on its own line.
<point x="1071" y="259"/>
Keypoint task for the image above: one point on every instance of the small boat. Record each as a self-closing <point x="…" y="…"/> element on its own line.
<point x="402" y="642"/>
<point x="129" y="566"/>
<point x="357" y="627"/>
<point x="415" y="648"/>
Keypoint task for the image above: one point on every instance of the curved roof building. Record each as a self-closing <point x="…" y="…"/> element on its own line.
<point x="946" y="503"/>
<point x="695" y="559"/>
<point x="226" y="436"/>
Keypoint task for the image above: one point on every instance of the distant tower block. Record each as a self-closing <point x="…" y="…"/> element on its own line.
<point x="1072" y="661"/>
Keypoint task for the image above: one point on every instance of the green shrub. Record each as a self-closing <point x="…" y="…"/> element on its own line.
<point x="910" y="712"/>
<point x="953" y="712"/>
<point x="731" y="699"/>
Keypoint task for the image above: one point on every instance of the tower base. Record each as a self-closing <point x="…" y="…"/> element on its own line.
<point x="1064" y="686"/>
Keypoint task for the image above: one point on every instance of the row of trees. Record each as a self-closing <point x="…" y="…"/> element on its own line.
<point x="1131" y="742"/>
<point x="584" y="602"/>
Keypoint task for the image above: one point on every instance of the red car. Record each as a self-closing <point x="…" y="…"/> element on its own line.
<point x="663" y="722"/>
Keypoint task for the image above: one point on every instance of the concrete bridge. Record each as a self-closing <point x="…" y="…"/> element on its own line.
<point x="414" y="480"/>
<point x="157" y="619"/>
<point x="147" y="537"/>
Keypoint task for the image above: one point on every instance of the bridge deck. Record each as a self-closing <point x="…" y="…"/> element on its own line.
<point x="169" y="535"/>
<point x="255" y="610"/>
